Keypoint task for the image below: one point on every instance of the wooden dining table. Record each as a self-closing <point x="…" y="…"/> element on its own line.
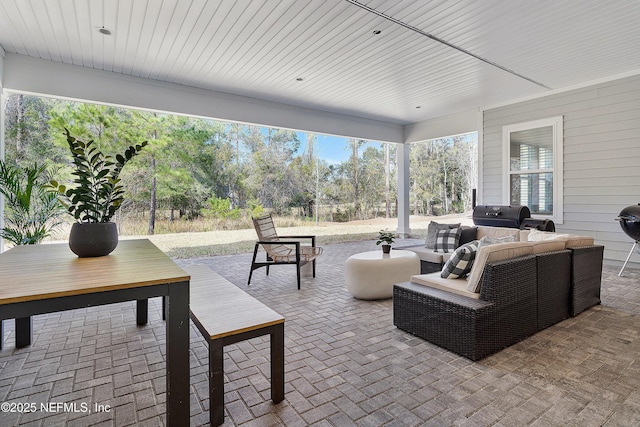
<point x="47" y="278"/>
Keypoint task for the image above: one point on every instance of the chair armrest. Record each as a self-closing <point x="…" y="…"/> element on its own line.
<point x="313" y="238"/>
<point x="278" y="242"/>
<point x="295" y="243"/>
<point x="297" y="237"/>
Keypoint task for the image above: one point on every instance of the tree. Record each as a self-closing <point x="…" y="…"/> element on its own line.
<point x="351" y="170"/>
<point x="202" y="163"/>
<point x="27" y="132"/>
<point x="442" y="174"/>
<point x="372" y="181"/>
<point x="269" y="175"/>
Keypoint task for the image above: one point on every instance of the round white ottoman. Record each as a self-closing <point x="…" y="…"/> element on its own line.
<point x="371" y="275"/>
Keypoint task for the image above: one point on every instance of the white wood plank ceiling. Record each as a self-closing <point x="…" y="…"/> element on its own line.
<point x="443" y="56"/>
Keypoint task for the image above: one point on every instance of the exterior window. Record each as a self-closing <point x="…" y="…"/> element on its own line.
<point x="532" y="161"/>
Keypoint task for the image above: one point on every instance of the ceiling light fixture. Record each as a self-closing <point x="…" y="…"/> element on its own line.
<point x="104" y="31"/>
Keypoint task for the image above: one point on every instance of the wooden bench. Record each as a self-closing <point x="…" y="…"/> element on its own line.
<point x="225" y="314"/>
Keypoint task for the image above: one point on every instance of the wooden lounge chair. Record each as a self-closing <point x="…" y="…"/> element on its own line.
<point x="286" y="250"/>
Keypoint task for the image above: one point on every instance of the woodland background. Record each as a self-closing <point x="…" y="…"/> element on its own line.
<point x="201" y="174"/>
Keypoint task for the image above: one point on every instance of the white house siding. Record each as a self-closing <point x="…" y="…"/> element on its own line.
<point x="601" y="157"/>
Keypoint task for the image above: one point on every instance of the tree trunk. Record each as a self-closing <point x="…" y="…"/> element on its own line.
<point x="311" y="139"/>
<point x="19" y="121"/>
<point x="152" y="204"/>
<point x="356" y="184"/>
<point x="446" y="202"/>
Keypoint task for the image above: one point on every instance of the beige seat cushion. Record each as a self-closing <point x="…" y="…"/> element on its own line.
<point x="427" y="254"/>
<point x="456" y="286"/>
<point x="497" y="232"/>
<point x="492" y="253"/>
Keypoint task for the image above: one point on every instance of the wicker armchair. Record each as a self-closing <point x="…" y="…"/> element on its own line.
<point x="287" y="250"/>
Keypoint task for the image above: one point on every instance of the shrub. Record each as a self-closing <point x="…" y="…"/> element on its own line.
<point x="255" y="208"/>
<point x="220" y="208"/>
<point x="33" y="213"/>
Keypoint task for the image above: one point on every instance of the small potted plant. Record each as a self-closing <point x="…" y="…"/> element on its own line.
<point x="95" y="198"/>
<point x="386" y="239"/>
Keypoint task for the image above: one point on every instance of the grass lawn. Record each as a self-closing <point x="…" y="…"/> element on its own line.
<point x="225" y="242"/>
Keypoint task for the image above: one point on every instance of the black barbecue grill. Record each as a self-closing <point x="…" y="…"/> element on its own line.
<point x="500" y="216"/>
<point x="629" y="219"/>
<point x="510" y="216"/>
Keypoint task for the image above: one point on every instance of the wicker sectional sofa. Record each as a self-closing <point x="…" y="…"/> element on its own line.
<point x="519" y="288"/>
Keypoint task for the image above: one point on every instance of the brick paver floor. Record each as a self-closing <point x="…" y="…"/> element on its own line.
<point x="346" y="364"/>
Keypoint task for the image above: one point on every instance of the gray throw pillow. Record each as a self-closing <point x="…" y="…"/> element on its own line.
<point x="432" y="232"/>
<point x="488" y="240"/>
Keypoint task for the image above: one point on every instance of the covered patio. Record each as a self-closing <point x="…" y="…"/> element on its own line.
<point x="399" y="72"/>
<point x="396" y="73"/>
<point x="346" y="364"/>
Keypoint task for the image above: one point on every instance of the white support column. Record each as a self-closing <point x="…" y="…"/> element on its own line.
<point x="403" y="189"/>
<point x="480" y="192"/>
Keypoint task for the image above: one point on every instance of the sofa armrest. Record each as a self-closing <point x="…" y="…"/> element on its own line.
<point x="408" y="247"/>
<point x="452" y="321"/>
<point x="452" y="300"/>
<point x="509" y="280"/>
<point x="512" y="285"/>
<point x="586" y="277"/>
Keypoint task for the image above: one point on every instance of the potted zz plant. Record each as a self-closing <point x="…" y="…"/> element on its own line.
<point x="95" y="198"/>
<point x="386" y="239"/>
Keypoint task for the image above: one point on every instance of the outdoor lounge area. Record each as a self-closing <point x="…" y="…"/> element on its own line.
<point x="536" y="104"/>
<point x="345" y="362"/>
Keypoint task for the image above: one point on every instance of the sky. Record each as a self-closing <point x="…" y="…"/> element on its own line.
<point x="335" y="150"/>
<point x="332" y="149"/>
